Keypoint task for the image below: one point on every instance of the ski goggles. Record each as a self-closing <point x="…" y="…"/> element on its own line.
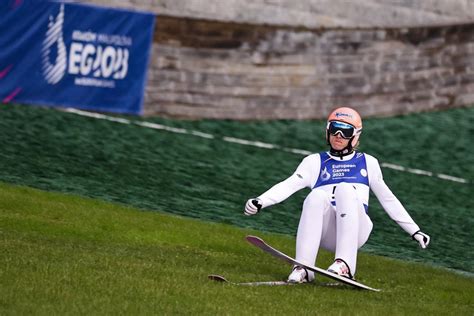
<point x="345" y="130"/>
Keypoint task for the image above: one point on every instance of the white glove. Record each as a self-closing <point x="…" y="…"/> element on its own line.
<point x="252" y="207"/>
<point x="422" y="238"/>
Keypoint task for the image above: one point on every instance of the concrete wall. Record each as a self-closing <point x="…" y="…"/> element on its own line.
<point x="276" y="59"/>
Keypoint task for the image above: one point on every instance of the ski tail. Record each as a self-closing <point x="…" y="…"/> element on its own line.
<point x="220" y="278"/>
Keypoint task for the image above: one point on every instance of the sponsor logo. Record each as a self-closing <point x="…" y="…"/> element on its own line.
<point x="363" y="172"/>
<point x="341" y="114"/>
<point x="93" y="59"/>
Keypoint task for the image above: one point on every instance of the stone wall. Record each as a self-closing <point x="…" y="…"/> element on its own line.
<point x="226" y="70"/>
<point x="312" y="13"/>
<point x="274" y="59"/>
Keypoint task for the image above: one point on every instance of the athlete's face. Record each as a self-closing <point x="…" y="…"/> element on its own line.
<point x="337" y="142"/>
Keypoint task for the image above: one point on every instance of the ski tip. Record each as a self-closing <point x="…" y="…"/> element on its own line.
<point x="216" y="277"/>
<point x="252" y="239"/>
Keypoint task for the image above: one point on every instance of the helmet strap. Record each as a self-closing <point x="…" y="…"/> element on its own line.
<point x="341" y="153"/>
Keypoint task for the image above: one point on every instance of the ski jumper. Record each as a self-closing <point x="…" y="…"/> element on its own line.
<point x="335" y="213"/>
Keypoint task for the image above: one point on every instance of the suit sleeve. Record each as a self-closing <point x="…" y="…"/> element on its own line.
<point x="303" y="177"/>
<point x="387" y="199"/>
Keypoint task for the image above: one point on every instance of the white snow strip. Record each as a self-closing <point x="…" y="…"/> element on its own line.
<point x="163" y="127"/>
<point x="174" y="129"/>
<point x="451" y="178"/>
<point x="203" y="135"/>
<point x="421" y="172"/>
<point x="297" y="151"/>
<point x="392" y="166"/>
<point x="251" y="143"/>
<point x="98" y="116"/>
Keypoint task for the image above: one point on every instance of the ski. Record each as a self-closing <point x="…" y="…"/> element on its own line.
<point x="258" y="242"/>
<point x="220" y="278"/>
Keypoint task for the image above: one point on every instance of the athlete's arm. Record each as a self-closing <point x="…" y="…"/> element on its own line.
<point x="304" y="177"/>
<point x="389" y="201"/>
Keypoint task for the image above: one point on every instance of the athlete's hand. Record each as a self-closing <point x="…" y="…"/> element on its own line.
<point x="252" y="207"/>
<point x="422" y="238"/>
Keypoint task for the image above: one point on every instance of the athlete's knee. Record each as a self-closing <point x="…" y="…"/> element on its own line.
<point x="346" y="198"/>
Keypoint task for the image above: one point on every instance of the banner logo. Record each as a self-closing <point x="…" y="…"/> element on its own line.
<point x="93" y="59"/>
<point x="53" y="73"/>
<point x="95" y="62"/>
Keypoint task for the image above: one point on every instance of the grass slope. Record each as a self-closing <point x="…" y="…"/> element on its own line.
<point x="63" y="254"/>
<point x="211" y="179"/>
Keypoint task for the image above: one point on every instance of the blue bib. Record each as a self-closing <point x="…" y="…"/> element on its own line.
<point x="335" y="171"/>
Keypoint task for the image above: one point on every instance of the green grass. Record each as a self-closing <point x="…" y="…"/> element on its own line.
<point x="212" y="179"/>
<point x="64" y="254"/>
